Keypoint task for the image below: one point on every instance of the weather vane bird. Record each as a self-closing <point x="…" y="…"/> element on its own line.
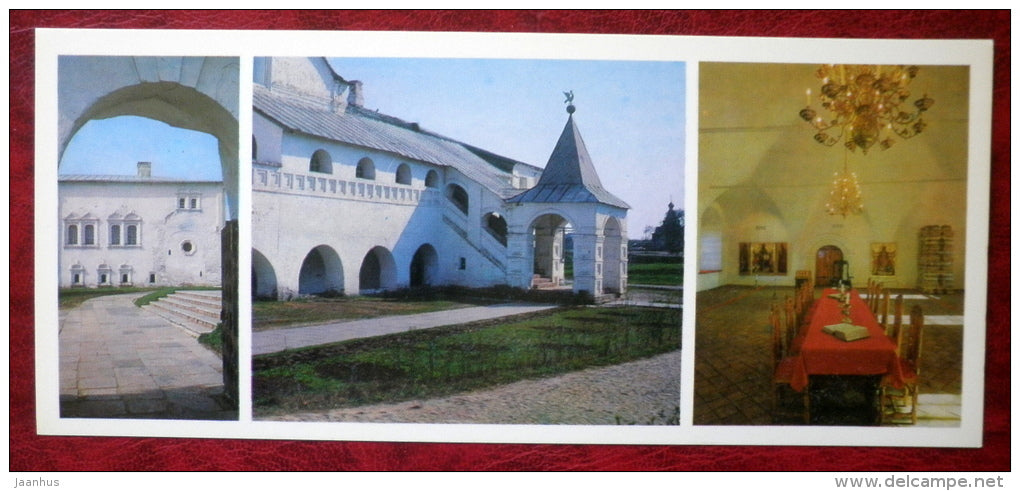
<point x="570" y="97"/>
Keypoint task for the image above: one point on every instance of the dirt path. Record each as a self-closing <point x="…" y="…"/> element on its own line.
<point x="640" y="392"/>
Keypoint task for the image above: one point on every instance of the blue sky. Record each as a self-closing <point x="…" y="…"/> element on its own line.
<point x="630" y="114"/>
<point x="116" y="145"/>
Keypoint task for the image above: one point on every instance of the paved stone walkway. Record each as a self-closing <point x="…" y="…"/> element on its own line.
<point x="119" y="361"/>
<point x="276" y="340"/>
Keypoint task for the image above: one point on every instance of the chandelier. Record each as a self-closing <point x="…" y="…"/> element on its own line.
<point x="864" y="102"/>
<point x="845" y="196"/>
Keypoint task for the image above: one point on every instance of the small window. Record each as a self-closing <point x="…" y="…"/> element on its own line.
<point x="321" y="162"/>
<point x="114" y="235"/>
<point x="463" y="263"/>
<point x="89" y="235"/>
<point x="365" y="170"/>
<point x="105" y="275"/>
<point x="189" y="200"/>
<point x="404" y="174"/>
<point x="72" y="235"/>
<point x="77" y="275"/>
<point x="152" y="277"/>
<point x="459" y="197"/>
<point x="496" y="226"/>
<point x="131" y="237"/>
<point x="432" y="179"/>
<point x="188" y="247"/>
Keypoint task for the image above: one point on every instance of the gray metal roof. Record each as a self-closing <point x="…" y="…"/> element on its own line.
<point x="363" y="128"/>
<point x="569" y="176"/>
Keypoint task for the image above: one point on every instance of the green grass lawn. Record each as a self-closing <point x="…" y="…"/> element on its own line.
<point x="662" y="274"/>
<point x="442" y="361"/>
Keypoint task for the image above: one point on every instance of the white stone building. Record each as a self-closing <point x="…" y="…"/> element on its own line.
<point x="139" y="230"/>
<point x="349" y="200"/>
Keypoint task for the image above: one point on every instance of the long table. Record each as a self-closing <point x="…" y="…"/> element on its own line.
<point x="825" y="354"/>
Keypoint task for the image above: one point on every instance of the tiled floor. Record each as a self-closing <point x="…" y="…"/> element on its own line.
<point x="732" y="377"/>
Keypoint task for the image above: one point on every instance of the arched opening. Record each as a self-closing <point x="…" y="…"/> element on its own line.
<point x="365" y="169"/>
<point x="321" y="273"/>
<point x="432" y="179"/>
<point x="495" y="225"/>
<point x="614" y="259"/>
<point x="254" y="149"/>
<point x="828" y="265"/>
<point x="552" y="258"/>
<point x="459" y="197"/>
<point x="404" y="174"/>
<point x="199" y="94"/>
<point x="263" y="277"/>
<point x="424" y="265"/>
<point x="378" y="271"/>
<point x="321" y="162"/>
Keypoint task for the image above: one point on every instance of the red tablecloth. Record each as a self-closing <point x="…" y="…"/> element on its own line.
<point x="824" y="354"/>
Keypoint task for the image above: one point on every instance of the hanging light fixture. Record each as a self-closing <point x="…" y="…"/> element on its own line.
<point x="865" y="103"/>
<point x="845" y="196"/>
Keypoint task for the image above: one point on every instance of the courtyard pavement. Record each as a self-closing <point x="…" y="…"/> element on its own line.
<point x="276" y="340"/>
<point x="119" y="361"/>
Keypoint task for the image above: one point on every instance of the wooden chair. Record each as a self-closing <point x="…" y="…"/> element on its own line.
<point x="875" y="298"/>
<point x="791" y="326"/>
<point x="783" y="366"/>
<point x="883" y="309"/>
<point x="892" y="330"/>
<point x="893" y="400"/>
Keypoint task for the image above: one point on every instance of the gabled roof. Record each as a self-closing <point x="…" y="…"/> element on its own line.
<point x="360" y="127"/>
<point x="569" y="176"/>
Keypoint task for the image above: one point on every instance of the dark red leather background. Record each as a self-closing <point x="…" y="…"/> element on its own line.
<point x="30" y="452"/>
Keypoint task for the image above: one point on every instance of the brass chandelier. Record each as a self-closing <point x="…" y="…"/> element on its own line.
<point x="865" y="103"/>
<point x="845" y="196"/>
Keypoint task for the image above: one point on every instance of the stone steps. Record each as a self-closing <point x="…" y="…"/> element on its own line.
<point x="541" y="282"/>
<point x="195" y="311"/>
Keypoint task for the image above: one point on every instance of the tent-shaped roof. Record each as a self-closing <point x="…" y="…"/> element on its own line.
<point x="569" y="176"/>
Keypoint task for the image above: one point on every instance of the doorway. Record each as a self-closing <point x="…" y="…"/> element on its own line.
<point x="825" y="261"/>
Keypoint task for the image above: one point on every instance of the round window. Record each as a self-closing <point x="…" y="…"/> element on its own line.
<point x="188" y="247"/>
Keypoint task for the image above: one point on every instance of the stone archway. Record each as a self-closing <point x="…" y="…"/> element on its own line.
<point x="614" y="258"/>
<point x="195" y="93"/>
<point x="549" y="251"/>
<point x="263" y="277"/>
<point x="424" y="266"/>
<point x="378" y="271"/>
<point x="321" y="272"/>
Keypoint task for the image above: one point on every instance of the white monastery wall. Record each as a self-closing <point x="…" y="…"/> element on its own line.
<point x="171" y="245"/>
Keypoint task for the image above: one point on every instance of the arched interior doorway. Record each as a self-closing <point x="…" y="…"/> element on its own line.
<point x="423" y="266"/>
<point x="321" y="273"/>
<point x="827" y="260"/>
<point x="552" y="264"/>
<point x="613" y="259"/>
<point x="263" y="277"/>
<point x="378" y="271"/>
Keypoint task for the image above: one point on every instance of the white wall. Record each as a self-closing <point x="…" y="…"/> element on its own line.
<point x="163" y="231"/>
